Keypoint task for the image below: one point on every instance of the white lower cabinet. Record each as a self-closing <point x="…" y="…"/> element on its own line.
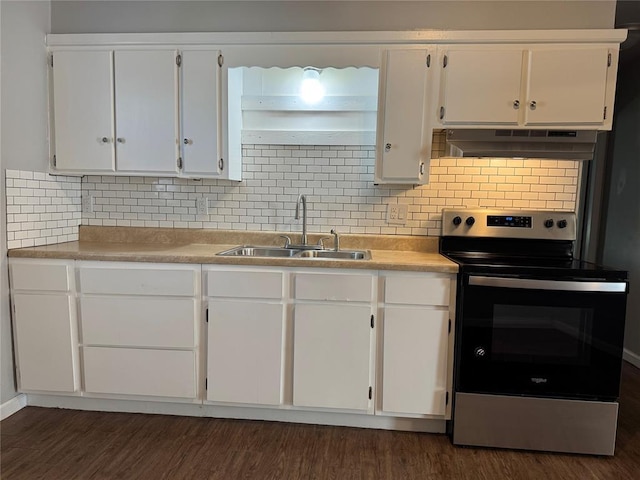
<point x="140" y="328"/>
<point x="244" y="362"/>
<point x="416" y="364"/>
<point x="245" y="335"/>
<point x="44" y="325"/>
<point x="331" y="362"/>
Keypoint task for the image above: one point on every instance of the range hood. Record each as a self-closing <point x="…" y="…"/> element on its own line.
<point x="547" y="144"/>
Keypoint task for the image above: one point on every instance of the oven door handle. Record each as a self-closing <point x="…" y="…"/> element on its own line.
<point x="531" y="284"/>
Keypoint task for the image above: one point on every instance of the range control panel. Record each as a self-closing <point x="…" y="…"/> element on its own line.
<point x="534" y="224"/>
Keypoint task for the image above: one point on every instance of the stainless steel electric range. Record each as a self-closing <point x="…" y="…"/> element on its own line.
<point x="539" y="334"/>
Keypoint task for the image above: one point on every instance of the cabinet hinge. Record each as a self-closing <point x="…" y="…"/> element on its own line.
<point x="221" y="164"/>
<point x="178" y="59"/>
<point x="180" y="163"/>
<point x="51" y="60"/>
<point x="604" y="116"/>
<point x="608" y="60"/>
<point x="449" y="325"/>
<point x="373" y="321"/>
<point x="441" y="113"/>
<point x="220" y="60"/>
<point x="54" y="161"/>
<point x="370" y="393"/>
<point x="446" y="398"/>
<point x="445" y="61"/>
<point x="428" y="60"/>
<point x="206" y="315"/>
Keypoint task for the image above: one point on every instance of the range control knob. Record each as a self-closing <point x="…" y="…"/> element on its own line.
<point x="479" y="352"/>
<point x="470" y="221"/>
<point x="548" y="223"/>
<point x="457" y="221"/>
<point x="562" y="223"/>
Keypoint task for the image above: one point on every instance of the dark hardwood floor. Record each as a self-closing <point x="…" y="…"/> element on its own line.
<point x="66" y="444"/>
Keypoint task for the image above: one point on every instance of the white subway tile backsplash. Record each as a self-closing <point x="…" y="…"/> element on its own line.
<point x="338" y="182"/>
<point x="42" y="209"/>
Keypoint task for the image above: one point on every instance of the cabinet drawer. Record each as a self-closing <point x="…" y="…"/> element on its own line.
<point x="417" y="290"/>
<point x="138" y="321"/>
<point x="331" y="286"/>
<point x="52" y="277"/>
<point x="138" y="281"/>
<point x="127" y="371"/>
<point x="243" y="284"/>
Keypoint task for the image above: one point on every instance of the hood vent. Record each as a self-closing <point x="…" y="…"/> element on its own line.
<point x="547" y="144"/>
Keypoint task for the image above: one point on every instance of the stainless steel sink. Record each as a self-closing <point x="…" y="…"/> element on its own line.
<point x="339" y="255"/>
<point x="248" y="251"/>
<point x="251" y="251"/>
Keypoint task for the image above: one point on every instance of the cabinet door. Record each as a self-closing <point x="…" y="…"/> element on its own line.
<point x="83" y="111"/>
<point x="331" y="358"/>
<point x="404" y="132"/>
<point x="200" y="110"/>
<point x="45" y="344"/>
<point x="414" y="360"/>
<point x="481" y="86"/>
<point x="145" y="89"/>
<point x="244" y="362"/>
<point x="567" y="86"/>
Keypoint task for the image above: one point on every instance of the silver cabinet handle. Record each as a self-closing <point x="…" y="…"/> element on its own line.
<point x="516" y="104"/>
<point x="120" y="140"/>
<point x="533" y="284"/>
<point x="422" y="168"/>
<point x="187" y="141"/>
<point x="532" y="105"/>
<point x="104" y="140"/>
<point x="387" y="147"/>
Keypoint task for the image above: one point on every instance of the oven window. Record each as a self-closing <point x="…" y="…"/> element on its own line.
<point x="541" y="334"/>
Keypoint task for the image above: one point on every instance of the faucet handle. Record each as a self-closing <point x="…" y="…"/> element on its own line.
<point x="321" y="241"/>
<point x="336" y="239"/>
<point x="287" y="240"/>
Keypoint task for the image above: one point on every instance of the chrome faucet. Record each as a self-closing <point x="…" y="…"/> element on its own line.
<point x="302" y="199"/>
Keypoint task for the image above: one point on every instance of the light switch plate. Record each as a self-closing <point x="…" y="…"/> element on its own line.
<point x="202" y="206"/>
<point x="397" y="214"/>
<point x="88" y="201"/>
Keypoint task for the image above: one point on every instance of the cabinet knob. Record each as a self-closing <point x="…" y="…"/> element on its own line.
<point x="120" y="140"/>
<point x="104" y="140"/>
<point x="516" y="104"/>
<point x="532" y="105"/>
<point x="187" y="141"/>
<point x="387" y="147"/>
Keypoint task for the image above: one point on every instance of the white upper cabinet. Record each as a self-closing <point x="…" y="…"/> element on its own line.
<point x="83" y="113"/>
<point x="567" y="86"/>
<point x="481" y="86"/>
<point x="546" y="86"/>
<point x="404" y="129"/>
<point x="200" y="114"/>
<point x="145" y="86"/>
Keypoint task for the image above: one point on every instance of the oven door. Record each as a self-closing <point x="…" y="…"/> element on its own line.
<point x="542" y="337"/>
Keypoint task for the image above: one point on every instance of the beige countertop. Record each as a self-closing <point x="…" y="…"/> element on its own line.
<point x="163" y="245"/>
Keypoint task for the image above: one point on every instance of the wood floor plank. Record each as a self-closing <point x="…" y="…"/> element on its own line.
<point x="52" y="444"/>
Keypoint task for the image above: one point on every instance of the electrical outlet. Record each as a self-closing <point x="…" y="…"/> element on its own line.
<point x="397" y="214"/>
<point x="202" y="206"/>
<point x="88" y="201"/>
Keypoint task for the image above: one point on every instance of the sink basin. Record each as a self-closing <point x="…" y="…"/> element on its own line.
<point x="250" y="251"/>
<point x="339" y="255"/>
<point x="247" y="251"/>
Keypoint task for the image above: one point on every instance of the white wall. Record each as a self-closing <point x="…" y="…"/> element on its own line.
<point x="200" y="16"/>
<point x="23" y="125"/>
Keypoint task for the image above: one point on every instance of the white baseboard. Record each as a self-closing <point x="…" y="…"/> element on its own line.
<point x="632" y="358"/>
<point x="12" y="406"/>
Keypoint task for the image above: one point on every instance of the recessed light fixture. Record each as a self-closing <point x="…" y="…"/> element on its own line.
<point x="311" y="90"/>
